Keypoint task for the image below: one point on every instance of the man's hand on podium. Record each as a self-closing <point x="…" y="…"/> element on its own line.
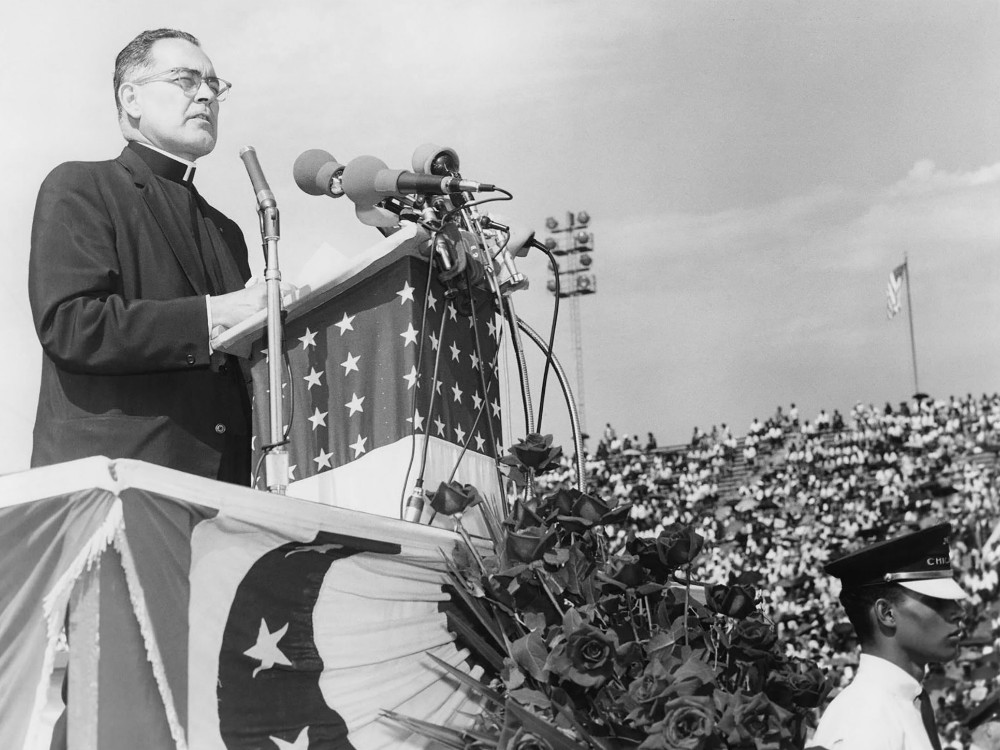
<point x="235" y="307"/>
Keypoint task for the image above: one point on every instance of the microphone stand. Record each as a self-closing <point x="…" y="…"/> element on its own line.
<point x="275" y="452"/>
<point x="276" y="460"/>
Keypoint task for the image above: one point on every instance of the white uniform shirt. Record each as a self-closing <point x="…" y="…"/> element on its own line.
<point x="879" y="710"/>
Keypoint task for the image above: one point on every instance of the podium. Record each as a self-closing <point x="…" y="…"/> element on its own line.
<point x="365" y="413"/>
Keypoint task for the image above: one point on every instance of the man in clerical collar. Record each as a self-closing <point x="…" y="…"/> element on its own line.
<point x="904" y="604"/>
<point x="132" y="271"/>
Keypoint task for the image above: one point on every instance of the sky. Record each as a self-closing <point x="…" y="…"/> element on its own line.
<point x="753" y="170"/>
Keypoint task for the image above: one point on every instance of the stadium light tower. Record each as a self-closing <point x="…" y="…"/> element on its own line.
<point x="572" y="245"/>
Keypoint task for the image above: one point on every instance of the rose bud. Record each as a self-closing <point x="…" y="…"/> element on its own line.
<point x="736" y="601"/>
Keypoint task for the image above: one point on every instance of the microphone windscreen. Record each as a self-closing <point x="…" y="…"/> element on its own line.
<point x="359" y="180"/>
<point x="425" y="155"/>
<point x="313" y="171"/>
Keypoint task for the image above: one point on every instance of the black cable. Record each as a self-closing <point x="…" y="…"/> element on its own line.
<point x="482" y="364"/>
<point x="552" y="334"/>
<point x="470" y="204"/>
<point x="512" y="321"/>
<point x="420" y="360"/>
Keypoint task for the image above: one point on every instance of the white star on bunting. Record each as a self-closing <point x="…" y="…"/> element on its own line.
<point x="410" y="335"/>
<point x="320" y="548"/>
<point x="266" y="650"/>
<point x="475" y="361"/>
<point x="406" y="293"/>
<point x="318" y="418"/>
<point x="440" y="425"/>
<point x="323" y="459"/>
<point x="495" y="406"/>
<point x="312" y="378"/>
<point x="452" y="311"/>
<point x="351" y="363"/>
<point x="434" y="341"/>
<point x="345" y="324"/>
<point x="359" y="446"/>
<point x="355" y="404"/>
<point x="455" y="351"/>
<point x="432" y="301"/>
<point x="301" y="742"/>
<point x="308" y="340"/>
<point x="457" y="393"/>
<point x="460" y="434"/>
<point x="480" y="443"/>
<point x="417" y="420"/>
<point x="492" y="328"/>
<point x="477" y="401"/>
<point x="411" y="377"/>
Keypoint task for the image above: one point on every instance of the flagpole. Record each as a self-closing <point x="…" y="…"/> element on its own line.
<point x="909" y="316"/>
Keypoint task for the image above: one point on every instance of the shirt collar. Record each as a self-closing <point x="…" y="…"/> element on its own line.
<point x="164" y="164"/>
<point x="891" y="679"/>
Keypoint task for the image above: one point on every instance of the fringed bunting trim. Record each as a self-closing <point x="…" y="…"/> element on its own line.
<point x="56" y="601"/>
<point x="138" y="598"/>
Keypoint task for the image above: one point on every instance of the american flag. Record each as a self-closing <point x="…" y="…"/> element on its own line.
<point x="355" y="384"/>
<point x="892" y="291"/>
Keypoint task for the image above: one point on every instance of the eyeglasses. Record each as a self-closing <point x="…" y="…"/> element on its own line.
<point x="189" y="81"/>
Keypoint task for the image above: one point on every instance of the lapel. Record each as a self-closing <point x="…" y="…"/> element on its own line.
<point x="176" y="232"/>
<point x="232" y="278"/>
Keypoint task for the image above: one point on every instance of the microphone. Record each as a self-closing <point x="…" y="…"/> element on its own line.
<point x="265" y="198"/>
<point x="367" y="180"/>
<point x="318" y="172"/>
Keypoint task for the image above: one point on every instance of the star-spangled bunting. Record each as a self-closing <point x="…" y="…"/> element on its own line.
<point x="358" y="385"/>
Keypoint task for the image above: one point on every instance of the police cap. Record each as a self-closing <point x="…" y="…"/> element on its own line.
<point x="920" y="561"/>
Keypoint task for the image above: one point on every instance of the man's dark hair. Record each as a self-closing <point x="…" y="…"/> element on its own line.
<point x="135" y="56"/>
<point x="858" y="603"/>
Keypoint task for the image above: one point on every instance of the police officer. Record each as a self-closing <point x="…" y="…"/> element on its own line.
<point x="904" y="604"/>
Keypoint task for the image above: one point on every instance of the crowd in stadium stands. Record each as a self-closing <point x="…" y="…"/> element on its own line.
<point x="792" y="493"/>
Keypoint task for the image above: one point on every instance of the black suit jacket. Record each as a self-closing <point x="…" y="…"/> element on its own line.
<point x="117" y="291"/>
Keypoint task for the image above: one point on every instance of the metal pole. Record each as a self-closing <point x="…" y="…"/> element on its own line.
<point x="909" y="315"/>
<point x="276" y="460"/>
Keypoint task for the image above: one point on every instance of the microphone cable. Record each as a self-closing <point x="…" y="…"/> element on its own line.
<point x="552" y="332"/>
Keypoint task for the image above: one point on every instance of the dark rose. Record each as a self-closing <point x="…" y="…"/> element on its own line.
<point x="626" y="571"/>
<point x="560" y="502"/>
<point x="678" y="544"/>
<point x="736" y="601"/>
<point x="527" y="545"/>
<point x="536" y="452"/>
<point x="591" y="652"/>
<point x="753" y="721"/>
<point x="454" y="497"/>
<point x="522" y="739"/>
<point x="578" y="511"/>
<point x="688" y="724"/>
<point x="754" y="637"/>
<point x="645" y="694"/>
<point x="797" y="684"/>
<point x="587" y="657"/>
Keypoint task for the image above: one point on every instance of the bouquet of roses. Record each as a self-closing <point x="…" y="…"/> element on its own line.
<point x="584" y="646"/>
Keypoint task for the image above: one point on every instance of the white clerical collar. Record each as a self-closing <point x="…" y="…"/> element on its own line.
<point x="190" y="165"/>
